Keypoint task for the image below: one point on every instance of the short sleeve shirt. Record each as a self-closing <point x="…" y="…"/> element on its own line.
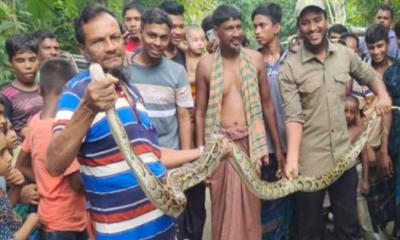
<point x="60" y="207"/>
<point x="24" y="104"/>
<point x="118" y="206"/>
<point x="164" y="87"/>
<point x="313" y="94"/>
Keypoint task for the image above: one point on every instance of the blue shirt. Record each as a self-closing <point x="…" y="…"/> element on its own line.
<point x="118" y="206"/>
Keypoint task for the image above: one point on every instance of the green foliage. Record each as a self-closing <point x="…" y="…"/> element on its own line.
<point x="361" y="13"/>
<point x="18" y="16"/>
<point x="10" y="24"/>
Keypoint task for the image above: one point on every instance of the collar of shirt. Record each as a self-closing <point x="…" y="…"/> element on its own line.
<point x="307" y="55"/>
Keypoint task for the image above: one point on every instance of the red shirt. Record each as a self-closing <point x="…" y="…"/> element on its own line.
<point x="60" y="207"/>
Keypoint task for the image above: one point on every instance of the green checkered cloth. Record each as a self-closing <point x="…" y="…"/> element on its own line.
<point x="251" y="99"/>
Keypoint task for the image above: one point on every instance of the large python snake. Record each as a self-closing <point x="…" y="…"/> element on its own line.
<point x="167" y="193"/>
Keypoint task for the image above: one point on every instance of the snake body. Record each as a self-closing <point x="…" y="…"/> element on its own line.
<point x="284" y="187"/>
<point x="167" y="194"/>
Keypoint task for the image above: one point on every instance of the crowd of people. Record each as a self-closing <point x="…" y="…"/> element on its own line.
<point x="293" y="109"/>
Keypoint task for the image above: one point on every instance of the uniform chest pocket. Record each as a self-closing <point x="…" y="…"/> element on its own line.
<point x="309" y="86"/>
<point x="340" y="82"/>
<point x="309" y="91"/>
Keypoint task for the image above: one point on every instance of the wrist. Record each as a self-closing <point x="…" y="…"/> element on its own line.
<point x="87" y="108"/>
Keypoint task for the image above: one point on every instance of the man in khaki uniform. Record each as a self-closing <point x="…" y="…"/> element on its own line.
<point x="312" y="82"/>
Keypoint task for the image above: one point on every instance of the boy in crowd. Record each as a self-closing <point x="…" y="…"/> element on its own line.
<point x="275" y="215"/>
<point x="11" y="226"/>
<point x="175" y="49"/>
<point x="132" y="13"/>
<point x="380" y="197"/>
<point x="384" y="16"/>
<point x="62" y="205"/>
<point x="47" y="45"/>
<point x="165" y="89"/>
<point x="354" y="126"/>
<point x="22" y="94"/>
<point x="335" y="31"/>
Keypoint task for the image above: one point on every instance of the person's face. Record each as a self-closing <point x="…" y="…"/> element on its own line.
<point x="5" y="156"/>
<point x="351" y="112"/>
<point x="313" y="26"/>
<point x="132" y="22"/>
<point x="378" y="51"/>
<point x="25" y="66"/>
<point x="103" y="42"/>
<point x="383" y="17"/>
<point x="196" y="41"/>
<point x="334" y="37"/>
<point x="11" y="136"/>
<point x="264" y="29"/>
<point x="230" y="34"/>
<point x="48" y="47"/>
<point x="352" y="43"/>
<point x="178" y="29"/>
<point x="155" y="39"/>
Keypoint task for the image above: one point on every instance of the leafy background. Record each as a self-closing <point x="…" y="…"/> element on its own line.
<point x="18" y="16"/>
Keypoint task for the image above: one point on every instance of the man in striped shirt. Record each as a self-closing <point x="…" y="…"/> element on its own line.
<point x="118" y="206"/>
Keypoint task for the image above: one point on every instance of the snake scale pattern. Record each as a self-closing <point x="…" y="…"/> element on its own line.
<point x="167" y="192"/>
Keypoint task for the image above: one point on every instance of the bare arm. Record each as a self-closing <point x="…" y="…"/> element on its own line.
<point x="201" y="99"/>
<point x="386" y="162"/>
<point x="185" y="127"/>
<point x="76" y="182"/>
<point x="384" y="103"/>
<point x="294" y="131"/>
<point x="65" y="144"/>
<point x="24" y="164"/>
<point x="29" y="224"/>
<point x="174" y="158"/>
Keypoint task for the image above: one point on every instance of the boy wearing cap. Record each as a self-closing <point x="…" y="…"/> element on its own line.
<point x="312" y="83"/>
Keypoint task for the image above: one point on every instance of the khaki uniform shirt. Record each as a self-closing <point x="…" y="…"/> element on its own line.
<point x="313" y="94"/>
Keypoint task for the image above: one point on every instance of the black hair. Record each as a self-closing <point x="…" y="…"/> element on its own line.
<point x="376" y="33"/>
<point x="156" y="16"/>
<point x="7" y="105"/>
<point x="172" y="7"/>
<point x="346" y="35"/>
<point x="352" y="99"/>
<point x="386" y="7"/>
<point x="271" y="10"/>
<point x="207" y="23"/>
<point x="41" y="35"/>
<point x="132" y="5"/>
<point x="337" y="28"/>
<point x="20" y="43"/>
<point x="87" y="14"/>
<point x="224" y="13"/>
<point x="397" y="29"/>
<point x="54" y="73"/>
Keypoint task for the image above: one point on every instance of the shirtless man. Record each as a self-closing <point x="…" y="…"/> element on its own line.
<point x="195" y="39"/>
<point x="221" y="106"/>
